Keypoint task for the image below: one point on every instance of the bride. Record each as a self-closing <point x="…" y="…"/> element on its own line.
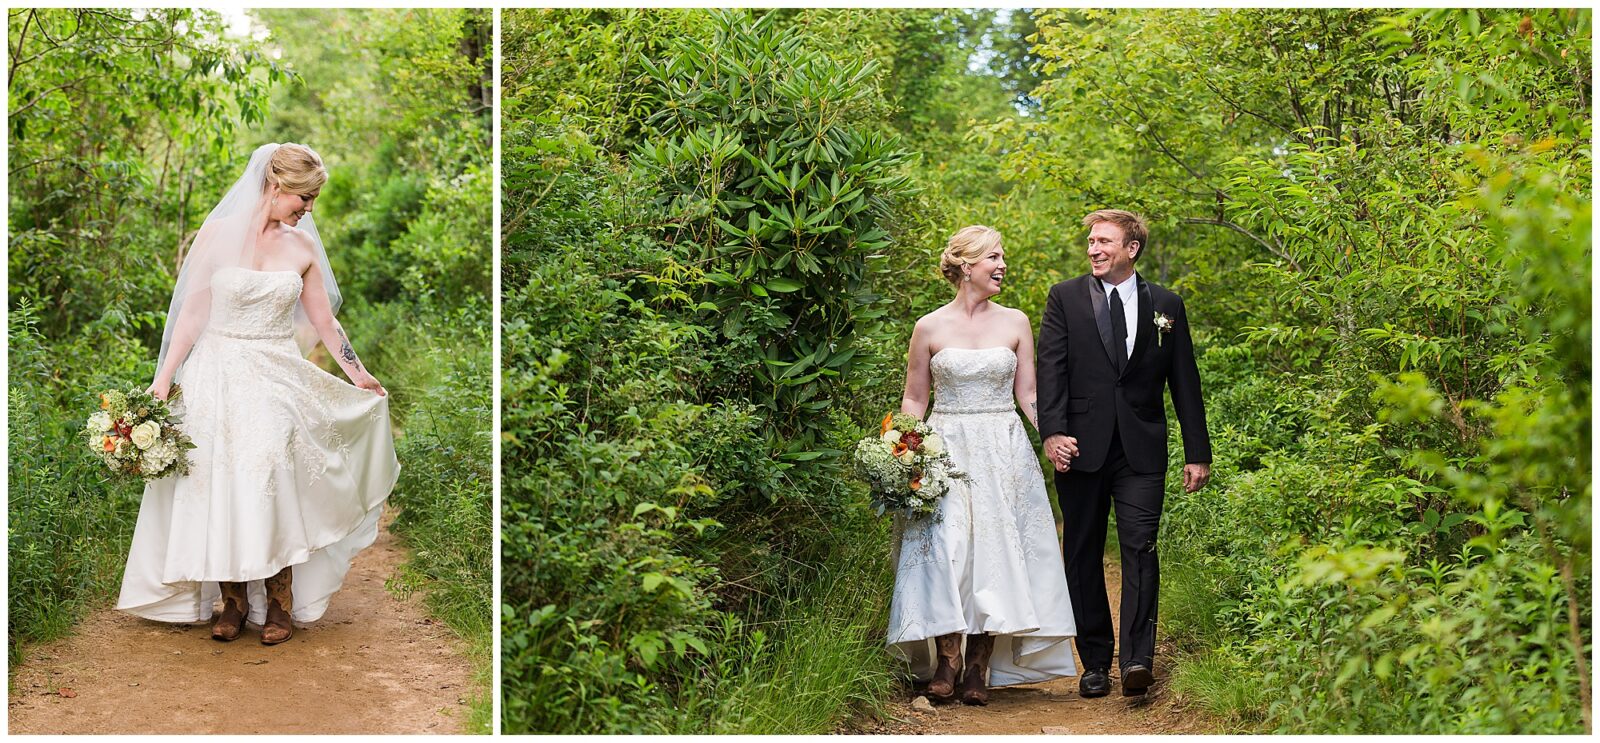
<point x="987" y="568"/>
<point x="291" y="465"/>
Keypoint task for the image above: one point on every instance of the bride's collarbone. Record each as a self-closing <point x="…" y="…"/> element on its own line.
<point x="278" y="256"/>
<point x="973" y="343"/>
<point x="963" y="333"/>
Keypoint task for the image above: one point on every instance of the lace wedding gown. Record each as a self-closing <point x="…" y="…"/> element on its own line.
<point x="292" y="466"/>
<point x="990" y="562"/>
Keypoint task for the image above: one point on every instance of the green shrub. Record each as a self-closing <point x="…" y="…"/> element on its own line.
<point x="675" y="393"/>
<point x="69" y="522"/>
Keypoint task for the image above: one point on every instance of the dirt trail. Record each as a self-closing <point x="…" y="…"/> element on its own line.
<point x="372" y="664"/>
<point x="1054" y="707"/>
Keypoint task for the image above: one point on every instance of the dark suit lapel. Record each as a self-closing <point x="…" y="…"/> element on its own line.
<point x="1144" y="325"/>
<point x="1102" y="318"/>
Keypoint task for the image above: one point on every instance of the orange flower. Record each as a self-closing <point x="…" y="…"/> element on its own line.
<point x="900" y="448"/>
<point x="888" y="423"/>
<point x="105" y="402"/>
<point x="110" y="443"/>
<point x="916" y="482"/>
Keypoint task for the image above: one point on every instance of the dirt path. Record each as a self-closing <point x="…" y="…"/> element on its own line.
<point x="1054" y="707"/>
<point x="372" y="664"/>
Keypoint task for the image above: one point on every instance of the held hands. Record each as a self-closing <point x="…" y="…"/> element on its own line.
<point x="370" y="383"/>
<point x="1195" y="476"/>
<point x="1061" y="449"/>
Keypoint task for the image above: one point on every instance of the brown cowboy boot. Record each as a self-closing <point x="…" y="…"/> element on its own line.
<point x="235" y="606"/>
<point x="943" y="686"/>
<point x="280" y="601"/>
<point x="974" y="680"/>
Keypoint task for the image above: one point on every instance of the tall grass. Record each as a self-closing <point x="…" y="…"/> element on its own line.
<point x="438" y="372"/>
<point x="69" y="524"/>
<point x="1218" y="682"/>
<point x="811" y="659"/>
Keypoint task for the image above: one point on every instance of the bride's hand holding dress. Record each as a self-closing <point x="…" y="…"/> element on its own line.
<point x="314" y="298"/>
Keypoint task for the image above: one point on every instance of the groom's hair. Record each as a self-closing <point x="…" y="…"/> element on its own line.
<point x="1133" y="227"/>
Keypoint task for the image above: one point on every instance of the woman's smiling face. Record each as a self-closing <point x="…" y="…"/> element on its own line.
<point x="289" y="208"/>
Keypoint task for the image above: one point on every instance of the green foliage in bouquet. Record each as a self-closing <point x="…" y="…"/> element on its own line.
<point x="136" y="434"/>
<point x="906" y="467"/>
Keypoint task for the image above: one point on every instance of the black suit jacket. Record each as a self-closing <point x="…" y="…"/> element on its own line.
<point x="1081" y="394"/>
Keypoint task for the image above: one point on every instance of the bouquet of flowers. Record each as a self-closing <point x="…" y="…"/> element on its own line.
<point x="136" y="434"/>
<point x="906" y="466"/>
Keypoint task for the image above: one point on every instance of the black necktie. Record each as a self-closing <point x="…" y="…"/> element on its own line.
<point x="1119" y="331"/>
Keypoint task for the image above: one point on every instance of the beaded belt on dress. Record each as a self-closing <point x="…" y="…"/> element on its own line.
<point x="249" y="336"/>
<point x="974" y="411"/>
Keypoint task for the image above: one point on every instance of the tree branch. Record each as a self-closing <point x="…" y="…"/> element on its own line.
<point x="1237" y="106"/>
<point x="46" y="94"/>
<point x="40" y="161"/>
<point x="1272" y="247"/>
<point x="16" y="53"/>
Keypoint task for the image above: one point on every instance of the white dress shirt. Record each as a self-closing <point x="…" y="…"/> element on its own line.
<point x="1128" y="292"/>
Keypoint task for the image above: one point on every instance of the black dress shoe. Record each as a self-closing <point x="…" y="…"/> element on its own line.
<point x="1136" y="680"/>
<point x="1095" y="682"/>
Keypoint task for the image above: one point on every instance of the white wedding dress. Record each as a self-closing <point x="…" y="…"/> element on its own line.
<point x="990" y="562"/>
<point x="292" y="466"/>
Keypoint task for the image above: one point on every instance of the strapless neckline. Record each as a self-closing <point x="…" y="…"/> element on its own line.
<point x="261" y="271"/>
<point x="986" y="348"/>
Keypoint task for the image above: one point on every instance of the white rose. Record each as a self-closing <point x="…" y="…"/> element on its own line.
<point x="892" y="436"/>
<point x="933" y="445"/>
<point x="145" y="434"/>
<point x="100" y="421"/>
<point x="907" y="457"/>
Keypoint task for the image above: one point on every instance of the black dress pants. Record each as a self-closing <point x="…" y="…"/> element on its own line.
<point x="1086" y="499"/>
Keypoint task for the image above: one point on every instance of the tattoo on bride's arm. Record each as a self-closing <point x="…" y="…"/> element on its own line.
<point x="346" y="352"/>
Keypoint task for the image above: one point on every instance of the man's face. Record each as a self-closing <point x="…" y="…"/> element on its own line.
<point x="1110" y="258"/>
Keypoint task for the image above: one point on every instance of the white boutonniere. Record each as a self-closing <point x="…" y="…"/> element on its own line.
<point x="1163" y="325"/>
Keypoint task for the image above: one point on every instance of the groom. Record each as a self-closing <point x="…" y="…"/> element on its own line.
<point x="1109" y="344"/>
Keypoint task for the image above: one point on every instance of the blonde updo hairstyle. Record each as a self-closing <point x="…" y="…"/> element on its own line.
<point x="296" y="169"/>
<point x="965" y="248"/>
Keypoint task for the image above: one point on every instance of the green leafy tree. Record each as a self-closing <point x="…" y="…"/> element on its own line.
<point x="120" y="124"/>
<point x="1353" y="199"/>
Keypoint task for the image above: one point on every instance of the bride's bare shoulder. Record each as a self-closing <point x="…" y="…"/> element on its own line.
<point x="301" y="241"/>
<point x="1010" y="315"/>
<point x="933" y="320"/>
<point x="295" y="248"/>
